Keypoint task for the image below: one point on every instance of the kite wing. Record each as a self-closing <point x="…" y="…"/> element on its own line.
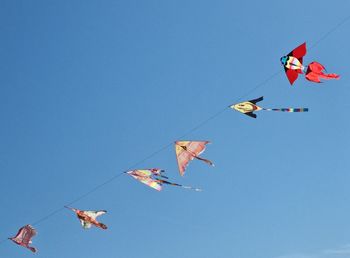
<point x="94" y="214"/>
<point x="24" y="237"/>
<point x="292" y="75"/>
<point x="145" y="177"/>
<point x="187" y="151"/>
<point x="251" y="114"/>
<point x="85" y="224"/>
<point x="254" y="101"/>
<point x="299" y="52"/>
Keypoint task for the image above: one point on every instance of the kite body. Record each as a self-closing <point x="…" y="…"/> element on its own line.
<point x="293" y="63"/>
<point x="24" y="237"/>
<point x="293" y="66"/>
<point x="189" y="150"/>
<point x="154" y="178"/>
<point x="248" y="107"/>
<point x="148" y="177"/>
<point x="89" y="218"/>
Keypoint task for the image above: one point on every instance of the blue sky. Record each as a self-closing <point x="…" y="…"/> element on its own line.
<point x="89" y="89"/>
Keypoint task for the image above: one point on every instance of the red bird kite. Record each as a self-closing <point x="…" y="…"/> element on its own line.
<point x="88" y="218"/>
<point x="189" y="150"/>
<point x="154" y="178"/>
<point x="24" y="237"/>
<point x="293" y="66"/>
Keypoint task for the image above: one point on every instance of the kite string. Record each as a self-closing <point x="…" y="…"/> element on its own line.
<point x="201" y="124"/>
<point x="204" y="122"/>
<point x="327" y="34"/>
<point x="146" y="158"/>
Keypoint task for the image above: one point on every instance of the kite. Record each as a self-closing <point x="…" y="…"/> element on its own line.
<point x="155" y="178"/>
<point x="88" y="218"/>
<point x="293" y="66"/>
<point x="249" y="107"/>
<point x="24" y="236"/>
<point x="189" y="150"/>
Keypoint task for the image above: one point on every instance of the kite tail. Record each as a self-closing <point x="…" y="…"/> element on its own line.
<point x="287" y="109"/>
<point x="33" y="249"/>
<point x="191" y="188"/>
<point x="329" y="76"/>
<point x="315" y="72"/>
<point x="101" y="225"/>
<point x="183" y="186"/>
<point x="205" y="160"/>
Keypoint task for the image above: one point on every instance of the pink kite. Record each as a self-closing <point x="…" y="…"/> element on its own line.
<point x="24" y="236"/>
<point x="189" y="150"/>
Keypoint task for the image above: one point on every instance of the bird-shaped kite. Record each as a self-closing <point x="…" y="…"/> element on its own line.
<point x="189" y="150"/>
<point x="293" y="66"/>
<point x="249" y="107"/>
<point x="155" y="178"/>
<point x="88" y="218"/>
<point x="24" y="237"/>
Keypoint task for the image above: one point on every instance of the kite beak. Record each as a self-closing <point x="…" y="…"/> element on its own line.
<point x="72" y="209"/>
<point x="283" y="60"/>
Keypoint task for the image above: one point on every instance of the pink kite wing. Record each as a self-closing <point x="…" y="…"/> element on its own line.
<point x="24" y="236"/>
<point x="187" y="151"/>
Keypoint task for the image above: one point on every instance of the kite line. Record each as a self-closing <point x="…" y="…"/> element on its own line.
<point x="164" y="147"/>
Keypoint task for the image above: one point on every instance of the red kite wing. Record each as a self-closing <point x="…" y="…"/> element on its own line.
<point x="292" y="75"/>
<point x="299" y="52"/>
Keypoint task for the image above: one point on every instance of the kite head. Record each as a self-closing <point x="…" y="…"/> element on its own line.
<point x="72" y="209"/>
<point x="245" y="107"/>
<point x="284" y="60"/>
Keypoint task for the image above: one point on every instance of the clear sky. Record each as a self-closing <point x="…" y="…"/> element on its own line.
<point x="90" y="88"/>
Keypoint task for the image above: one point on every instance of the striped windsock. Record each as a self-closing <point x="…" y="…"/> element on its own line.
<point x="287" y="109"/>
